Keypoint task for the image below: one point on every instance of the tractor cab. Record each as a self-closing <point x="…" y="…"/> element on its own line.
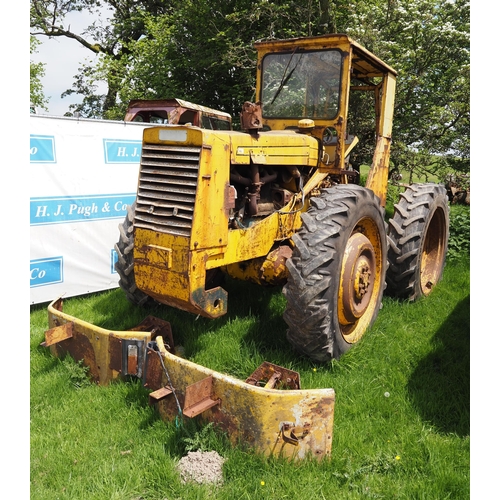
<point x="306" y="84"/>
<point x="176" y="112"/>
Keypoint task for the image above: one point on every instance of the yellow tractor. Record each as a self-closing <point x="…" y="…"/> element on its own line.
<point x="278" y="203"/>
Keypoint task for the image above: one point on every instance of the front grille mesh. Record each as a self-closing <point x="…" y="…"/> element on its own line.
<point x="167" y="188"/>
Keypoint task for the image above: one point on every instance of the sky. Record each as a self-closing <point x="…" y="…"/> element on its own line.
<point x="62" y="58"/>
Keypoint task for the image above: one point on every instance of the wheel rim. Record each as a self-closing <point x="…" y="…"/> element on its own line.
<point x="433" y="253"/>
<point x="360" y="281"/>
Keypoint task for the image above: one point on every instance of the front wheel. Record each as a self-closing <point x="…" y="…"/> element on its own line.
<point x="336" y="272"/>
<point x="418" y="241"/>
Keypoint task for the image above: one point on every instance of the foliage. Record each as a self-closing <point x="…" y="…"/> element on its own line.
<point x="37" y="71"/>
<point x="203" y="51"/>
<point x="459" y="242"/>
<point x="202" y="439"/>
<point x="427" y="42"/>
<point x="432" y="58"/>
<point x="77" y="372"/>
<point x="108" y="38"/>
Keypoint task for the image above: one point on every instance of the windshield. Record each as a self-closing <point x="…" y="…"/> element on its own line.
<point x="301" y="84"/>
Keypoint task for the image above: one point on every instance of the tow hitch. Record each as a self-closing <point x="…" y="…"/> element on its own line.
<point x="268" y="411"/>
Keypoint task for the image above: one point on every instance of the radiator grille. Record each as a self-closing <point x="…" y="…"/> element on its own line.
<point x="167" y="188"/>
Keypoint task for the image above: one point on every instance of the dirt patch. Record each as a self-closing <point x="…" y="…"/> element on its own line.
<point x="201" y="467"/>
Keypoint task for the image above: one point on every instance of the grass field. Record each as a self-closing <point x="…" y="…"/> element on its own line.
<point x="402" y="413"/>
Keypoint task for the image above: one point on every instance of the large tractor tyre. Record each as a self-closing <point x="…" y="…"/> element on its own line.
<point x="418" y="241"/>
<point x="124" y="266"/>
<point x="336" y="272"/>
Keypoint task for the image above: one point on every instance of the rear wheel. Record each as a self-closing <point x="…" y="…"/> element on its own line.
<point x="124" y="266"/>
<point x="336" y="272"/>
<point x="418" y="240"/>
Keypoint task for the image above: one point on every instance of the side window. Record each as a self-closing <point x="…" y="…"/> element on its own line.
<point x="155" y="119"/>
<point x="187" y="117"/>
<point x="206" y="122"/>
<point x="220" y="124"/>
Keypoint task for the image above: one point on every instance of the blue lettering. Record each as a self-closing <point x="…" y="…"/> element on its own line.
<point x="46" y="271"/>
<point x="42" y="149"/>
<point x="59" y="210"/>
<point x="122" y="151"/>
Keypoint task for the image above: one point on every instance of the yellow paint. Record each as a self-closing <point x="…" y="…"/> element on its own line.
<point x="378" y="175"/>
<point x="364" y="249"/>
<point x="172" y="268"/>
<point x="253" y="415"/>
<point x="269" y="269"/>
<point x="274" y="148"/>
<point x="99" y="340"/>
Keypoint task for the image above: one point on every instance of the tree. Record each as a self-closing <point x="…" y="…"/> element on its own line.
<point x="37" y="71"/>
<point x="151" y="48"/>
<point x="433" y="107"/>
<point x="427" y="42"/>
<point x="109" y="39"/>
<point x="203" y="51"/>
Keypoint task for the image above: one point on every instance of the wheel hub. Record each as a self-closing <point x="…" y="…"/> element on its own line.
<point x="357" y="282"/>
<point x="362" y="279"/>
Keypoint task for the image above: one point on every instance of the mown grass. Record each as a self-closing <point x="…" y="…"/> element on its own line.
<point x="402" y="413"/>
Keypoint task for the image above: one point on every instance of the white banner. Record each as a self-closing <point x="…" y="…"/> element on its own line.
<point x="83" y="175"/>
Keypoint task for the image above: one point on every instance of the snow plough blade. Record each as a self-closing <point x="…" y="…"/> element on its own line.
<point x="268" y="411"/>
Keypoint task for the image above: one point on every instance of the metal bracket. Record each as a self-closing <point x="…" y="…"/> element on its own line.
<point x="133" y="357"/>
<point x="272" y="376"/>
<point x="250" y="411"/>
<point x="58" y="334"/>
<point x="295" y="433"/>
<point x="198" y="398"/>
<point x="158" y="395"/>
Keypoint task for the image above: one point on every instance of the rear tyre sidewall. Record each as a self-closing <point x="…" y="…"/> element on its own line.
<point x="418" y="237"/>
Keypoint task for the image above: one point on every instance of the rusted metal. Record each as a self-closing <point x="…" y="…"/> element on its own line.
<point x="132" y="360"/>
<point x="105" y="352"/>
<point x="158" y="395"/>
<point x="273" y="270"/>
<point x="293" y="423"/>
<point x="254" y="414"/>
<point x="198" y="398"/>
<point x="294" y="433"/>
<point x="157" y="327"/>
<point x="65" y="338"/>
<point x="251" y="116"/>
<point x="175" y="111"/>
<point x="153" y="371"/>
<point x="115" y="353"/>
<point x="267" y="270"/>
<point x="58" y="334"/>
<point x="270" y="375"/>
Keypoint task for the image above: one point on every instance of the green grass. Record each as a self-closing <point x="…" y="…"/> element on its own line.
<point x="92" y="442"/>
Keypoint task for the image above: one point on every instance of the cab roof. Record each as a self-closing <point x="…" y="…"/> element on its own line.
<point x="161" y="104"/>
<point x="364" y="63"/>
